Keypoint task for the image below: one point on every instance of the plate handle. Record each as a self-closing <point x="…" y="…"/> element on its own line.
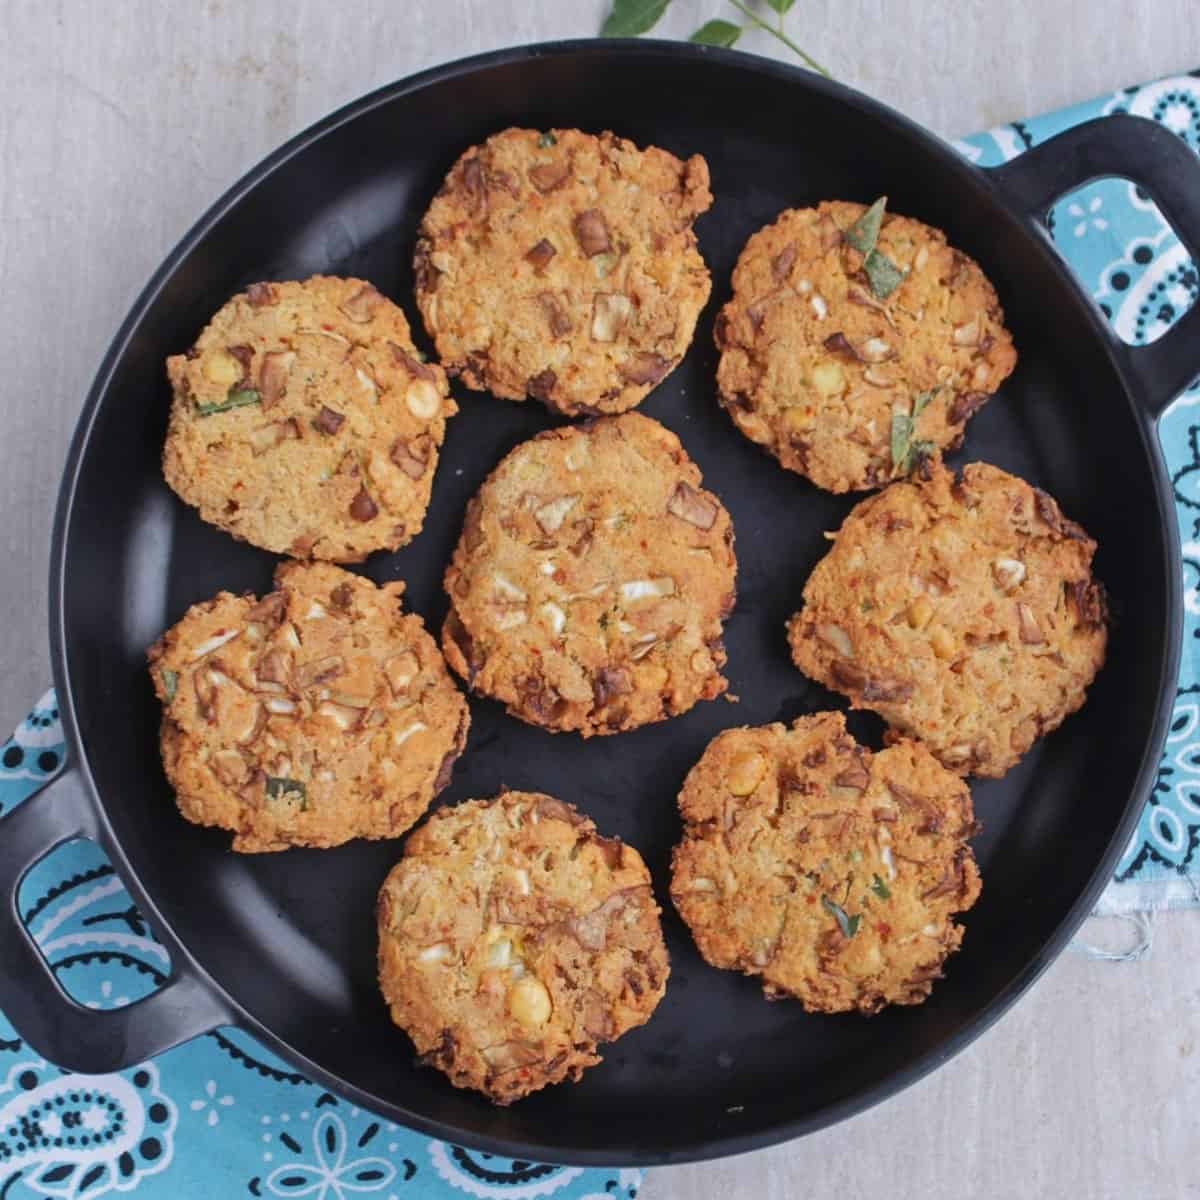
<point x="1163" y="165"/>
<point x="69" y="1034"/>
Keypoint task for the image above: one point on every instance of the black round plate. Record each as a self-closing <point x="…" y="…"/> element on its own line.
<point x="290" y="938"/>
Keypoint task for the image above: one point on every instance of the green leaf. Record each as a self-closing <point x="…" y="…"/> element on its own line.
<point x="546" y="140"/>
<point x="780" y="6"/>
<point x="237" y="398"/>
<point x="882" y="274"/>
<point x="907" y="453"/>
<point x="848" y="925"/>
<point x="902" y="431"/>
<point x="864" y="233"/>
<point x="880" y="888"/>
<point x="923" y="398"/>
<point x="278" y="786"/>
<point x="631" y="17"/>
<point x="717" y="33"/>
<point x="170" y="681"/>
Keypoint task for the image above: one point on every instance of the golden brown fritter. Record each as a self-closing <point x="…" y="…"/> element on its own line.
<point x="563" y="266"/>
<point x="317" y="714"/>
<point x="513" y="939"/>
<point x="841" y="384"/>
<point x="304" y="421"/>
<point x="830" y="872"/>
<point x="591" y="579"/>
<point x="963" y="611"/>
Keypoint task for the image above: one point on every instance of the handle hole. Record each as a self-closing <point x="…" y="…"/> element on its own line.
<point x="1117" y="240"/>
<point x="98" y="945"/>
<point x="82" y="919"/>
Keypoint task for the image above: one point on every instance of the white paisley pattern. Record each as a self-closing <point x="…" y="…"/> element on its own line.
<point x="1162" y="281"/>
<point x="489" y="1178"/>
<point x="330" y="1173"/>
<point x="1169" y="834"/>
<point x="72" y="1136"/>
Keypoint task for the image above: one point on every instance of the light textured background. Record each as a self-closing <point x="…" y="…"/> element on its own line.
<point x="120" y="122"/>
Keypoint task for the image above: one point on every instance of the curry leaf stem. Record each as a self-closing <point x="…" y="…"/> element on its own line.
<point x="755" y="19"/>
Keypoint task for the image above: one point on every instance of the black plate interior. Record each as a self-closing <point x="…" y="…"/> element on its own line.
<point x="290" y="937"/>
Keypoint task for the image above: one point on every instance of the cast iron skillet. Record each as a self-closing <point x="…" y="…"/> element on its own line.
<point x="283" y="945"/>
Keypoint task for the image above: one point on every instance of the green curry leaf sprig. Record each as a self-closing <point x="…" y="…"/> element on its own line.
<point x="630" y="18"/>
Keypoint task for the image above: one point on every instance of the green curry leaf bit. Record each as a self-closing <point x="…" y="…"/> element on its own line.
<point x="902" y="431"/>
<point x="170" y="681"/>
<point x="238" y="397"/>
<point x="780" y="6"/>
<point x="907" y="452"/>
<point x="717" y="33"/>
<point x="864" y="233"/>
<point x="546" y="140"/>
<point x="631" y="17"/>
<point x="279" y="786"/>
<point x="921" y="399"/>
<point x="883" y="276"/>
<point x="847" y="924"/>
<point x="880" y="888"/>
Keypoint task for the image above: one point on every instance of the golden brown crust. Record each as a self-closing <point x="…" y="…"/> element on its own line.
<point x="814" y="364"/>
<point x="964" y="613"/>
<point x="830" y="872"/>
<point x="318" y="714"/>
<point x="563" y="266"/>
<point x="325" y="428"/>
<point x="591" y="579"/>
<point x="513" y="939"/>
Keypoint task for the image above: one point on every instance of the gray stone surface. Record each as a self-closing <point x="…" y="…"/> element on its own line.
<point x="119" y="123"/>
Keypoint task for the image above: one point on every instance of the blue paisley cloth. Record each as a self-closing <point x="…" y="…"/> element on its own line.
<point x="222" y="1117"/>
